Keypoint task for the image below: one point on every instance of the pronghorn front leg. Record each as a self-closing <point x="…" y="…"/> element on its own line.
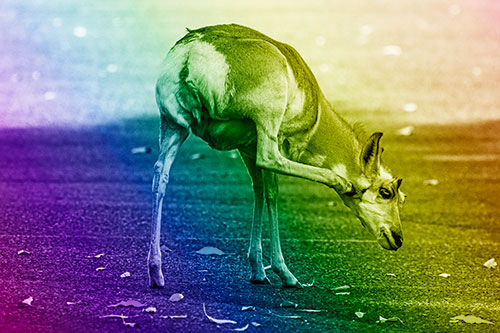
<point x="277" y="261"/>
<point x="255" y="249"/>
<point x="269" y="157"/>
<point x="170" y="141"/>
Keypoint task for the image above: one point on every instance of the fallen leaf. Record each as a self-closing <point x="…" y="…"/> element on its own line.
<point x="114" y="316"/>
<point x="165" y="248"/>
<point x="140" y="150"/>
<point x="286" y="317"/>
<point x="100" y="269"/>
<point x="445" y="275"/>
<point x="469" y="319"/>
<point x="97" y="256"/>
<point x="244" y="328"/>
<point x="73" y="303"/>
<point x="491" y="263"/>
<point x="345" y="287"/>
<point x="150" y="309"/>
<point x="248" y="308"/>
<point x="209" y="250"/>
<point x="255" y="324"/>
<point x="359" y="314"/>
<point x="129" y="324"/>
<point x="27" y="301"/>
<point x="176" y="297"/>
<point x="197" y="156"/>
<point x="343" y="293"/>
<point x="174" y="317"/>
<point x="125" y="275"/>
<point x="129" y="303"/>
<point x="217" y="321"/>
<point x="288" y="304"/>
<point x="431" y="182"/>
<point x="391" y="274"/>
<point x="308" y="285"/>
<point x="23" y="252"/>
<point x="406" y="131"/>
<point x="392" y="319"/>
<point x="310" y="310"/>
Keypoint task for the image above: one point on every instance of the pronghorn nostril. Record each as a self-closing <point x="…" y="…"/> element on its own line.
<point x="397" y="239"/>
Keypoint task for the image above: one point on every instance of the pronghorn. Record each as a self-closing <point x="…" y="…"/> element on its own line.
<point x="236" y="88"/>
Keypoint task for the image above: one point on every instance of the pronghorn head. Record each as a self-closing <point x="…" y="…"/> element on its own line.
<point x="376" y="198"/>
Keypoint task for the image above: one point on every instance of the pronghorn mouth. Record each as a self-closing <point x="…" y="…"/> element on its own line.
<point x="387" y="241"/>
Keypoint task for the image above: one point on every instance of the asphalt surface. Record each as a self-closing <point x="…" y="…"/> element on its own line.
<point x="68" y="195"/>
<point x="76" y="96"/>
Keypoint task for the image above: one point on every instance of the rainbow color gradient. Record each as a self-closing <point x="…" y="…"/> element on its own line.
<point x="77" y="94"/>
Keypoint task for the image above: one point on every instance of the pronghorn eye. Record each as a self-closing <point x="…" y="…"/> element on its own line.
<point x="385" y="193"/>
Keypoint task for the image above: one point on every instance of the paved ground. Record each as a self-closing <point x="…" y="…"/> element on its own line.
<point x="69" y="193"/>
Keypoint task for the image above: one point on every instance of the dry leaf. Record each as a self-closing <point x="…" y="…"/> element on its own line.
<point x="114" y="316"/>
<point x="288" y="304"/>
<point x="217" y="321"/>
<point x="469" y="319"/>
<point x="310" y="310"/>
<point x="23" y="252"/>
<point x="129" y="303"/>
<point x="27" y="301"/>
<point x="129" y="324"/>
<point x="308" y="285"/>
<point x="359" y="314"/>
<point x="150" y="309"/>
<point x="391" y="274"/>
<point x="97" y="256"/>
<point x="140" y="150"/>
<point x="100" y="269"/>
<point x="255" y="324"/>
<point x="176" y="297"/>
<point x="343" y="293"/>
<point x="73" y="303"/>
<point x="125" y="275"/>
<point x="392" y="319"/>
<point x="209" y="250"/>
<point x="174" y="317"/>
<point x="248" y="308"/>
<point x="165" y="248"/>
<point x="244" y="328"/>
<point x="346" y="287"/>
<point x="445" y="275"/>
<point x="491" y="263"/>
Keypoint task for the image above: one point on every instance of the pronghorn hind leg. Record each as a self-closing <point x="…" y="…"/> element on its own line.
<point x="171" y="138"/>
<point x="277" y="261"/>
<point x="255" y="249"/>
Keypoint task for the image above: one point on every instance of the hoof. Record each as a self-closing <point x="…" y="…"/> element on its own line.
<point x="265" y="280"/>
<point x="156" y="279"/>
<point x="157" y="283"/>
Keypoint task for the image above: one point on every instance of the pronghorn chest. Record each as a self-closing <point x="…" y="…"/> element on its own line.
<point x="226" y="134"/>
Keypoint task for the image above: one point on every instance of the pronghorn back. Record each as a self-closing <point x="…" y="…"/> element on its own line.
<point x="234" y="73"/>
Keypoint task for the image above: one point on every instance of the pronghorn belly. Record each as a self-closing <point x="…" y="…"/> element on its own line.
<point x="226" y="134"/>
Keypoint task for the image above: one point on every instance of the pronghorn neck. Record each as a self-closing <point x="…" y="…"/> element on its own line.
<point x="337" y="144"/>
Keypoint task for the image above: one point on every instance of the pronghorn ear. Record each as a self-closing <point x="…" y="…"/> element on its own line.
<point x="370" y="155"/>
